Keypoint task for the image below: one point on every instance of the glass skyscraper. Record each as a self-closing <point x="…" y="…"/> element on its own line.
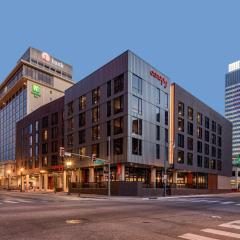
<point x="232" y="104"/>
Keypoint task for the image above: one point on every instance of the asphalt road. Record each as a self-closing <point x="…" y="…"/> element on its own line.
<point x="49" y="216"/>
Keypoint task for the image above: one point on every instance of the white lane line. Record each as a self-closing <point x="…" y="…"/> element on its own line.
<point x="191" y="236"/>
<point x="206" y="201"/>
<point x="226" y="203"/>
<point x="23" y="201"/>
<point x="221" y="233"/>
<point x="233" y="224"/>
<point x="238" y="204"/>
<point x="8" y="201"/>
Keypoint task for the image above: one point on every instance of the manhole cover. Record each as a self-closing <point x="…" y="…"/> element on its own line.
<point x="74" y="221"/>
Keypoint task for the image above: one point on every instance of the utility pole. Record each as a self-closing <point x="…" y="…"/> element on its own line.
<point x="109" y="166"/>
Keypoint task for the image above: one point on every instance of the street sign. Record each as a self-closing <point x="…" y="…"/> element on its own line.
<point x="165" y="177"/>
<point x="68" y="154"/>
<point x="61" y="151"/>
<point x="236" y="162"/>
<point x="98" y="162"/>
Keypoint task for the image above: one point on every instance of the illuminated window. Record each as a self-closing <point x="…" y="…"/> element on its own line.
<point x="118" y="125"/>
<point x="95" y="95"/>
<point x="181" y="124"/>
<point x="95" y="115"/>
<point x="190" y="113"/>
<point x="137" y="126"/>
<point x="118" y="104"/>
<point x="181" y="108"/>
<point x="180" y="158"/>
<point x="82" y="102"/>
<point x="95" y="132"/>
<point x="199" y="118"/>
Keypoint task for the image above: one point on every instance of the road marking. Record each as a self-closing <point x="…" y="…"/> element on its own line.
<point x="233" y="224"/>
<point x="22" y="200"/>
<point x="221" y="233"/>
<point x="207" y="201"/>
<point x="238" y="204"/>
<point x="8" y="201"/>
<point x="191" y="236"/>
<point x="226" y="203"/>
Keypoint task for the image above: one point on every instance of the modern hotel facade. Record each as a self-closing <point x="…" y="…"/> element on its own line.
<point x="126" y="100"/>
<point x="37" y="79"/>
<point x="126" y="112"/>
<point x="200" y="143"/>
<point x="232" y="112"/>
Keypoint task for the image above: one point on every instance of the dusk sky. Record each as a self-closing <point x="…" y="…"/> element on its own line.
<point x="192" y="42"/>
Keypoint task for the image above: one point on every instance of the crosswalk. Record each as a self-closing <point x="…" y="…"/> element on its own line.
<point x="230" y="230"/>
<point x="18" y="201"/>
<point x="196" y="201"/>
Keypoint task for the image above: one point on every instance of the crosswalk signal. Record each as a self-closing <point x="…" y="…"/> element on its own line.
<point x="61" y="152"/>
<point x="93" y="157"/>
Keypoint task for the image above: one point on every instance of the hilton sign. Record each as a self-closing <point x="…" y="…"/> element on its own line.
<point x="162" y="79"/>
<point x="46" y="57"/>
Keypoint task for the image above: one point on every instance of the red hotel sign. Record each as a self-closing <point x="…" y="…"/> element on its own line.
<point x="162" y="79"/>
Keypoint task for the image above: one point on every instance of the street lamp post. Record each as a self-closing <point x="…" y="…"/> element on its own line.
<point x="69" y="164"/>
<point x="8" y="172"/>
<point x="21" y="170"/>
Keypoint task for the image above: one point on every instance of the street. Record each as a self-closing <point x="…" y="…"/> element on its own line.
<point x="50" y="216"/>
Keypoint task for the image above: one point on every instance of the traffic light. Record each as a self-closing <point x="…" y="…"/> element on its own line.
<point x="93" y="157"/>
<point x="61" y="152"/>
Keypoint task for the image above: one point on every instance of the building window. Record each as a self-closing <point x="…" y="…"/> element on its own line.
<point x="95" y="149"/>
<point x="109" y="90"/>
<point x="199" y="161"/>
<point x="181" y="140"/>
<point x="219" y="141"/>
<point x="181" y="124"/>
<point x="157" y="151"/>
<point x="199" y="118"/>
<point x="199" y="147"/>
<point x="206" y="136"/>
<point x="213" y="126"/>
<point x="166" y="118"/>
<point x="136" y="84"/>
<point x="165" y="96"/>
<point x="70" y="124"/>
<point x="219" y="153"/>
<point x="206" y="149"/>
<point x="118" y="125"/>
<point x="95" y="95"/>
<point x="55" y="132"/>
<point x="119" y="83"/>
<point x="70" y="108"/>
<point x="45" y="135"/>
<point x="206" y="162"/>
<point x="213" y="151"/>
<point x="199" y="132"/>
<point x="95" y="115"/>
<point x="157" y="114"/>
<point x="190" y="128"/>
<point x="190" y="143"/>
<point x="213" y="138"/>
<point x="108" y="128"/>
<point x="207" y="122"/>
<point x="54" y="160"/>
<point x="82" y="119"/>
<point x="55" y="146"/>
<point x="37" y="126"/>
<point x="190" y="113"/>
<point x="166" y="135"/>
<point x="82" y="102"/>
<point x="118" y="104"/>
<point x="136" y="146"/>
<point x="109" y="108"/>
<point x="95" y="132"/>
<point x="219" y="129"/>
<point x="45" y="122"/>
<point x="219" y="165"/>
<point x="45" y="161"/>
<point x="158" y="130"/>
<point x="180" y="158"/>
<point x="158" y="96"/>
<point x="70" y="140"/>
<point x="137" y="104"/>
<point x="54" y="118"/>
<point x="190" y="159"/>
<point x="81" y="136"/>
<point x="213" y="164"/>
<point x="181" y="108"/>
<point x="44" y="148"/>
<point x="137" y="126"/>
<point x="118" y="146"/>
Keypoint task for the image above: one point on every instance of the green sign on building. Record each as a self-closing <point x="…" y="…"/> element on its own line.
<point x="36" y="90"/>
<point x="236" y="162"/>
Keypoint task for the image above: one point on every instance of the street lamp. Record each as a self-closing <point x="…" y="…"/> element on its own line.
<point x="21" y="170"/>
<point x="69" y="164"/>
<point x="41" y="181"/>
<point x="8" y="172"/>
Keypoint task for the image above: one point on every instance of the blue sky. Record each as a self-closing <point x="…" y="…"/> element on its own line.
<point x="190" y="41"/>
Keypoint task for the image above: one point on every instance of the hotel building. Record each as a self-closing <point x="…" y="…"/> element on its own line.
<point x="200" y="143"/>
<point x="37" y="79"/>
